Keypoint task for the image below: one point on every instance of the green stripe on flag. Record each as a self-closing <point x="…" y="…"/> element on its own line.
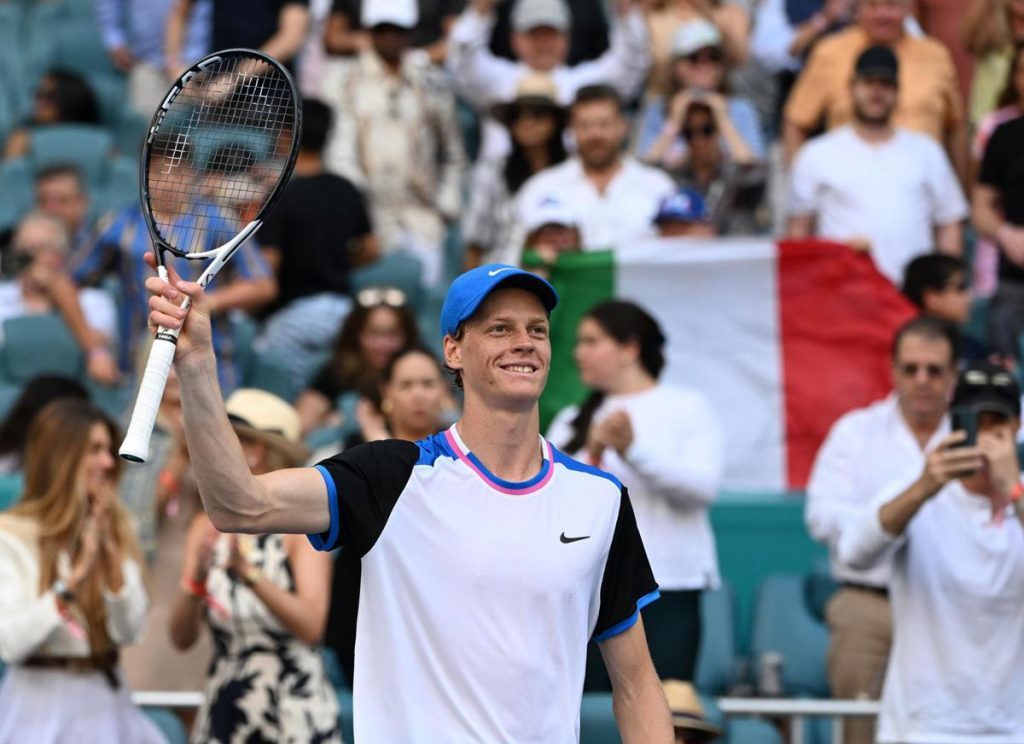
<point x="582" y="280"/>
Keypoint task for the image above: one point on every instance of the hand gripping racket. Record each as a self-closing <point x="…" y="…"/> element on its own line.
<point x="220" y="150"/>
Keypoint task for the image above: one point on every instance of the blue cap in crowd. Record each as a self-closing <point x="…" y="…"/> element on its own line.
<point x="471" y="289"/>
<point x="685" y="205"/>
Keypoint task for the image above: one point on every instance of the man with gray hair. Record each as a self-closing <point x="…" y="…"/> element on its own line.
<point x="540" y="41"/>
<point x="37" y="282"/>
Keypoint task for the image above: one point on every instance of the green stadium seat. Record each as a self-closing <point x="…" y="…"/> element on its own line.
<point x="129" y="131"/>
<point x="716" y="658"/>
<point x="114" y="401"/>
<point x="79" y="48"/>
<point x="80" y="9"/>
<point x="16" y="187"/>
<point x="40" y="40"/>
<point x="597" y="721"/>
<point x="345" y="706"/>
<point x="169" y="724"/>
<point x="88" y="146"/>
<point x="784" y="624"/>
<point x="267" y="373"/>
<point x="325" y="436"/>
<point x="744" y="730"/>
<point x="10" y="490"/>
<point x="119" y="185"/>
<point x="37" y="344"/>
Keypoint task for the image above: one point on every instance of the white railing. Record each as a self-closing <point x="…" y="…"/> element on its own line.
<point x="796" y="710"/>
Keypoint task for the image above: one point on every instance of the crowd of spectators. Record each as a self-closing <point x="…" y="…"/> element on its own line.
<point x="441" y="135"/>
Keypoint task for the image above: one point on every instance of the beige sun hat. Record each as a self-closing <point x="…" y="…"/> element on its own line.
<point x="263" y="416"/>
<point x="534" y="89"/>
<point x="687" y="712"/>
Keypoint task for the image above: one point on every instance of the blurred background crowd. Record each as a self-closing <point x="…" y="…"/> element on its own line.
<point x="440" y="135"/>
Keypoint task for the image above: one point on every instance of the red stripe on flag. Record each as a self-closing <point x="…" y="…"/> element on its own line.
<point x="837" y="319"/>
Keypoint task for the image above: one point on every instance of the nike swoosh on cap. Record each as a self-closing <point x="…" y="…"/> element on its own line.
<point x="495" y="272"/>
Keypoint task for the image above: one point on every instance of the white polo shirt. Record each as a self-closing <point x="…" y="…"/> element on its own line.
<point x="866" y="451"/>
<point x="894" y="193"/>
<point x="478" y="596"/>
<point x="620" y="216"/>
<point x="956" y="670"/>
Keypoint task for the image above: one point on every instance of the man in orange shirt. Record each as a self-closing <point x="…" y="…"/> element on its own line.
<point x="929" y="95"/>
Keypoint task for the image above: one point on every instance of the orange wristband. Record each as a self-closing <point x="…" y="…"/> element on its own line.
<point x="1017" y="493"/>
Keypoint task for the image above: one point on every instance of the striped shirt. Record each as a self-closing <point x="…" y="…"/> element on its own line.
<point x="118" y="249"/>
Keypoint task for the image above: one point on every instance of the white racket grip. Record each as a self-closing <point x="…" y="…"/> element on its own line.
<point x="136" y="441"/>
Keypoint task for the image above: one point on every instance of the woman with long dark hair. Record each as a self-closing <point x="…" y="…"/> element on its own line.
<point x="536" y="123"/>
<point x="71" y="589"/>
<point x="61" y="97"/>
<point x="381" y="323"/>
<point x="665" y="445"/>
<point x="36" y="395"/>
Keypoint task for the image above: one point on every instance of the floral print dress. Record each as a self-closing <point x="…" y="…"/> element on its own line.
<point x="264" y="685"/>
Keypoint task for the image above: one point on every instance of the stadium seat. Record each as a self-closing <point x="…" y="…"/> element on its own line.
<point x="16" y="188"/>
<point x="819" y="588"/>
<point x="716" y="658"/>
<point x="267" y="373"/>
<point x="169" y="724"/>
<point x="10" y="490"/>
<point x="79" y="48"/>
<point x="597" y="721"/>
<point x="119" y="184"/>
<point x="398" y="269"/>
<point x="37" y="344"/>
<point x="746" y="730"/>
<point x="325" y="436"/>
<point x="39" y="41"/>
<point x="345" y="706"/>
<point x="114" y="401"/>
<point x="783" y="624"/>
<point x="87" y="146"/>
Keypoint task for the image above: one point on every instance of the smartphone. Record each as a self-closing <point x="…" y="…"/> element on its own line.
<point x="963" y="419"/>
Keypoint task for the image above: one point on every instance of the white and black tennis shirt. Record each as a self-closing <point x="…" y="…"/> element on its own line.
<point x="478" y="596"/>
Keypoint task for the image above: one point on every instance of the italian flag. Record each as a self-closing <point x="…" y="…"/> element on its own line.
<point x="782" y="338"/>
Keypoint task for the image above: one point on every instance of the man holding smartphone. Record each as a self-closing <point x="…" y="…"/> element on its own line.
<point x="956" y="542"/>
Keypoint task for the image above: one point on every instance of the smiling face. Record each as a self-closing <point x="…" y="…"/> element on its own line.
<point x="504" y="352"/>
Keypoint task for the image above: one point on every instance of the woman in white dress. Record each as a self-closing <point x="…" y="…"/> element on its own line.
<point x="664" y="443"/>
<point x="71" y="589"/>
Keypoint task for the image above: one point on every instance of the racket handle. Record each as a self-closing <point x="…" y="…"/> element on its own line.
<point x="136" y="441"/>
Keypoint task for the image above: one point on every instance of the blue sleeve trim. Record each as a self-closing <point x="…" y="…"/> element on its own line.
<point x="630" y="621"/>
<point x="318" y="541"/>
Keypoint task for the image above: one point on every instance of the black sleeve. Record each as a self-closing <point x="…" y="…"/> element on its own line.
<point x="363" y="486"/>
<point x="360" y="216"/>
<point x="273" y="230"/>
<point x="628" y="583"/>
<point x="991" y="172"/>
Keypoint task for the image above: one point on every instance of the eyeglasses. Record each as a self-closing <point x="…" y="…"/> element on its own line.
<point x="710" y="55"/>
<point x="910" y="369"/>
<point x="377" y="296"/>
<point x="706" y="131"/>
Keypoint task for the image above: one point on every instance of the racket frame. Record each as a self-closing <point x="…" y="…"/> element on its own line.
<point x="135" y="447"/>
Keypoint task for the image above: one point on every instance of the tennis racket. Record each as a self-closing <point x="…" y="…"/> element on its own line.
<point x="219" y="152"/>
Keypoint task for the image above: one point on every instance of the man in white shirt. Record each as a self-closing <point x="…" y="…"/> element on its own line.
<point x="957" y="551"/>
<point x="615" y="197"/>
<point x="865" y="451"/>
<point x="878" y="187"/>
<point x="540" y="41"/>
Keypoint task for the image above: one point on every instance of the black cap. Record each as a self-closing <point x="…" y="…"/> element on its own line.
<point x="984" y="386"/>
<point x="878" y="63"/>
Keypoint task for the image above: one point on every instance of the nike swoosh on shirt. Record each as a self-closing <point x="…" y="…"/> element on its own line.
<point x="568" y="540"/>
<point x="495" y="272"/>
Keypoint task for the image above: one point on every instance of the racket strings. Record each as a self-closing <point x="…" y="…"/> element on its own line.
<point x="219" y="152"/>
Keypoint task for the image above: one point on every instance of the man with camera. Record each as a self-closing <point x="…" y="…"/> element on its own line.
<point x="867" y="450"/>
<point x="955" y="541"/>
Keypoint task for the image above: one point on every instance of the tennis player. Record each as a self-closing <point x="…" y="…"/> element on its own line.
<point x="489" y="558"/>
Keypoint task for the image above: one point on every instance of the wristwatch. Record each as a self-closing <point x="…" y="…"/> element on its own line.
<point x="63" y="591"/>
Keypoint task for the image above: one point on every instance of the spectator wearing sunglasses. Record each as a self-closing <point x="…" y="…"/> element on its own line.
<point x="317" y="233"/>
<point x="733" y="188"/>
<point x="937" y="284"/>
<point x="698" y="73"/>
<point x="866" y="452"/>
<point x="379" y="325"/>
<point x="536" y="123"/>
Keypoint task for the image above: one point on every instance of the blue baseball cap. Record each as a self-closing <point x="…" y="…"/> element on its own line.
<point x="469" y="290"/>
<point x="685" y="205"/>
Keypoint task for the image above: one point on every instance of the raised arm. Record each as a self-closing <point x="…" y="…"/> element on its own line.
<point x="293" y="500"/>
<point x="480" y="77"/>
<point x="292" y="24"/>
